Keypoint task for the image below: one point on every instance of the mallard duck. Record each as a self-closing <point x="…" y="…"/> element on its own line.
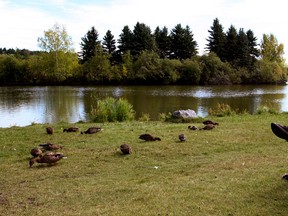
<point x="49" y="130"/>
<point x="50" y="146"/>
<point x="92" y="130"/>
<point x="36" y="152"/>
<point x="210" y="122"/>
<point x="71" y="129"/>
<point x="148" y="137"/>
<point x="192" y="127"/>
<point x="182" y="137"/>
<point x="49" y="158"/>
<point x="208" y="127"/>
<point x="125" y="149"/>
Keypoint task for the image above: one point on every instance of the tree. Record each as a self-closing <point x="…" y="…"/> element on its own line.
<point x="163" y="42"/>
<point x="183" y="45"/>
<point x="243" y="55"/>
<point x="143" y="40"/>
<point x="231" y="45"/>
<point x="125" y="40"/>
<point x="252" y="43"/>
<point x="271" y="50"/>
<point x="88" y="45"/>
<point x="109" y="43"/>
<point x="216" y="40"/>
<point x="58" y="44"/>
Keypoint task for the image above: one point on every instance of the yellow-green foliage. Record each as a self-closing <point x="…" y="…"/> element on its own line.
<point x="234" y="169"/>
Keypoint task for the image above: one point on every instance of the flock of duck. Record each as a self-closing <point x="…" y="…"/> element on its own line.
<point x="46" y="153"/>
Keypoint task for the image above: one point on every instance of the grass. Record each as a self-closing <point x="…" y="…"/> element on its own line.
<point x="234" y="169"/>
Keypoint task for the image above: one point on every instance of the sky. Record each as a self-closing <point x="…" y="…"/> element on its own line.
<point x="22" y="21"/>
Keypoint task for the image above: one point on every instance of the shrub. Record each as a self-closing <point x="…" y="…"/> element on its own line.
<point x="266" y="109"/>
<point x="222" y="110"/>
<point x="112" y="110"/>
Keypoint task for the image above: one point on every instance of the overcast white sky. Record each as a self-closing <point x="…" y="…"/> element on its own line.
<point x="22" y="22"/>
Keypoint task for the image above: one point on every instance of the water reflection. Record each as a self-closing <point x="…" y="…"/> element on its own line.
<point x="23" y="105"/>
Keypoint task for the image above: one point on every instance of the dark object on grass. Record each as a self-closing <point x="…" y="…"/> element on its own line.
<point x="280" y="131"/>
<point x="49" y="158"/>
<point x="92" y="130"/>
<point x="148" y="137"/>
<point x="208" y="127"/>
<point x="210" y="122"/>
<point x="50" y="146"/>
<point x="125" y="149"/>
<point x="36" y="152"/>
<point x="285" y="176"/>
<point x="71" y="129"/>
<point x="192" y="127"/>
<point x="49" y="130"/>
<point x="182" y="137"/>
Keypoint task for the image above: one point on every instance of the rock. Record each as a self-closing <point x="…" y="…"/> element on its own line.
<point x="184" y="114"/>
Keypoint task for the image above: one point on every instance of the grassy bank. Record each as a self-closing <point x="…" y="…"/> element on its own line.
<point x="234" y="169"/>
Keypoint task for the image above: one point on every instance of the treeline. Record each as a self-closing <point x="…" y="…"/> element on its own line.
<point x="145" y="57"/>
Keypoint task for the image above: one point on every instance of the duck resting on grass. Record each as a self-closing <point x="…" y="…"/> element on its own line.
<point x="206" y="122"/>
<point x="125" y="149"/>
<point x="35" y="152"/>
<point x="71" y="129"/>
<point x="149" y="137"/>
<point x="50" y="146"/>
<point x="49" y="158"/>
<point x="182" y="137"/>
<point x="193" y="127"/>
<point x="208" y="127"/>
<point x="92" y="130"/>
<point x="49" y="130"/>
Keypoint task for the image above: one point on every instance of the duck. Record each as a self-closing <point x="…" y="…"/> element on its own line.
<point x="125" y="149"/>
<point x="71" y="129"/>
<point x="182" y="137"/>
<point x="92" y="130"/>
<point x="35" y="152"/>
<point x="208" y="127"/>
<point x="49" y="130"/>
<point x="50" y="146"/>
<point x="192" y="127"/>
<point x="149" y="137"/>
<point x="49" y="158"/>
<point x="206" y="122"/>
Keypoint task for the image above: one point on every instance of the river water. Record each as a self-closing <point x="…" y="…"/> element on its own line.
<point x="21" y="106"/>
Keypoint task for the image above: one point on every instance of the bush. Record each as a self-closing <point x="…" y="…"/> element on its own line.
<point x="112" y="110"/>
<point x="222" y="110"/>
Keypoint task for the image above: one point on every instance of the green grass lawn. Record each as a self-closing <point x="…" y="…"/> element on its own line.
<point x="234" y="169"/>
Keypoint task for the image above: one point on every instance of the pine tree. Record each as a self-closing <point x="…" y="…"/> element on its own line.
<point x="88" y="45"/>
<point x="125" y="40"/>
<point x="183" y="45"/>
<point x="231" y="44"/>
<point x="243" y="55"/>
<point x="253" y="50"/>
<point x="216" y="40"/>
<point x="109" y="43"/>
<point x="163" y="42"/>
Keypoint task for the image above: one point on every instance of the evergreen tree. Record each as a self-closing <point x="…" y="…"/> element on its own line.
<point x="216" y="40"/>
<point x="253" y="50"/>
<point x="163" y="42"/>
<point x="109" y="43"/>
<point x="125" y="40"/>
<point x="243" y="55"/>
<point x="88" y="45"/>
<point x="231" y="45"/>
<point x="143" y="40"/>
<point x="183" y="45"/>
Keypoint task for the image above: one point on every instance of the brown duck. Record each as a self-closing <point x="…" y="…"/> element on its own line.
<point x="192" y="127"/>
<point x="92" y="130"/>
<point x="49" y="158"/>
<point x="49" y="130"/>
<point x="149" y="137"/>
<point x="71" y="129"/>
<point x="35" y="152"/>
<point x="208" y="127"/>
<point x="50" y="146"/>
<point x="182" y="137"/>
<point x="125" y="149"/>
<point x="210" y="122"/>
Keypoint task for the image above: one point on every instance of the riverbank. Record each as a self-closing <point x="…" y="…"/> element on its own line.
<point x="234" y="169"/>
